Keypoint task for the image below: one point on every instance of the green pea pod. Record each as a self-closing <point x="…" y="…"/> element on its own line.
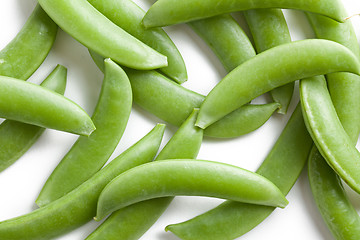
<point x="282" y="166"/>
<point x="133" y="221"/>
<point x="269" y="29"/>
<point x="127" y="15"/>
<point x="273" y="68"/>
<point x="83" y="22"/>
<point x="226" y="38"/>
<point x="24" y="54"/>
<point x="79" y="206"/>
<point x="173" y="103"/>
<point x="189" y="10"/>
<point x="189" y="178"/>
<point x="16" y="137"/>
<point x="110" y="118"/>
<point x="338" y="213"/>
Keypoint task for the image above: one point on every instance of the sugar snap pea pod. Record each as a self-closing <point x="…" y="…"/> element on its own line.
<point x="168" y="12"/>
<point x="16" y="137"/>
<point x="127" y="15"/>
<point x="87" y="25"/>
<point x="24" y="54"/>
<point x="327" y="131"/>
<point x="173" y="103"/>
<point x="79" y="206"/>
<point x="269" y="29"/>
<point x="282" y="166"/>
<point x="133" y="221"/>
<point x="29" y="103"/>
<point x="110" y="118"/>
<point x="189" y="178"/>
<point x="273" y="68"/>
<point x="226" y="38"/>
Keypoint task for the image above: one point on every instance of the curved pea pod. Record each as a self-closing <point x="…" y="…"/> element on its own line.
<point x="24" y="54"/>
<point x="226" y="39"/>
<point x="173" y="103"/>
<point x="127" y="15"/>
<point x="168" y="12"/>
<point x="79" y="206"/>
<point x="269" y="29"/>
<point x="110" y="118"/>
<point x="87" y="25"/>
<point x="273" y="68"/>
<point x="327" y="131"/>
<point x="189" y="178"/>
<point x="133" y="221"/>
<point x="282" y="166"/>
<point x="16" y="137"/>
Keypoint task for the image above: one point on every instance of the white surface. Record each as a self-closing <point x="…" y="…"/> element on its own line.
<point x="21" y="183"/>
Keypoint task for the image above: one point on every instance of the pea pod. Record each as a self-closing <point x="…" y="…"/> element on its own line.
<point x="24" y="54"/>
<point x="189" y="178"/>
<point x="110" y="117"/>
<point x="168" y="12"/>
<point x="282" y="166"/>
<point x="269" y="29"/>
<point x="133" y="221"/>
<point x="79" y="206"/>
<point x="16" y="137"/>
<point x="83" y="22"/>
<point x="173" y="103"/>
<point x="295" y="60"/>
<point x="127" y="15"/>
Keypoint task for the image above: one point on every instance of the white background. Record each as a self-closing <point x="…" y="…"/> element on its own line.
<point x="21" y="183"/>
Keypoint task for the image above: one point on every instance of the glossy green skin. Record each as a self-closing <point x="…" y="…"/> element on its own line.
<point x="89" y="154"/>
<point x="79" y="206"/>
<point x="173" y="103"/>
<point x="269" y="29"/>
<point x="226" y="38"/>
<point x="333" y="203"/>
<point x="282" y="166"/>
<point x="87" y="25"/>
<point x="190" y="178"/>
<point x="295" y="60"/>
<point x="24" y="54"/>
<point x="168" y="12"/>
<point x="29" y="103"/>
<point x="127" y="15"/>
<point x="133" y="221"/>
<point x="16" y="137"/>
<point x="327" y="131"/>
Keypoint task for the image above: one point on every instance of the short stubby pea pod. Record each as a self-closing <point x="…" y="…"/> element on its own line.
<point x="87" y="25"/>
<point x="189" y="178"/>
<point x="168" y="12"/>
<point x="29" y="103"/>
<point x="273" y="68"/>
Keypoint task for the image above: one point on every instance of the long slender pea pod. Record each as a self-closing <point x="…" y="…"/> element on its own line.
<point x="282" y="166"/>
<point x="327" y="131"/>
<point x="338" y="213"/>
<point x="186" y="177"/>
<point x="226" y="38"/>
<point x="173" y="103"/>
<point x="89" y="154"/>
<point x="273" y="68"/>
<point x="269" y="29"/>
<point x="168" y="12"/>
<point x="16" y="137"/>
<point x="133" y="221"/>
<point x="79" y="206"/>
<point x="127" y="15"/>
<point x="29" y="103"/>
<point x="87" y="25"/>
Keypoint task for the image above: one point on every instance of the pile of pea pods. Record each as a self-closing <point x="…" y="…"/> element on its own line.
<point x="116" y="120"/>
